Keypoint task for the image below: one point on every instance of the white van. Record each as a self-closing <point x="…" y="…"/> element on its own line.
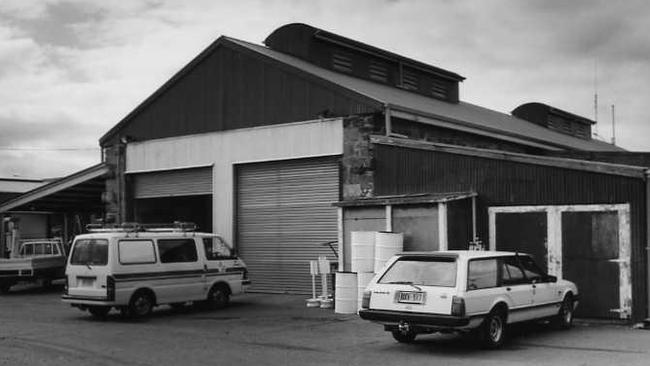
<point x="135" y="268"/>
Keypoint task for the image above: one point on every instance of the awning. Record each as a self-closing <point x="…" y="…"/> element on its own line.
<point x="81" y="191"/>
<point x="406" y="199"/>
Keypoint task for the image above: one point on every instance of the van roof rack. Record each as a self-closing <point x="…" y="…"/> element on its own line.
<point x="131" y="227"/>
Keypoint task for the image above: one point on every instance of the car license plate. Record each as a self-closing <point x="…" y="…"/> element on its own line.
<point x="410" y="297"/>
<point x="86" y="281"/>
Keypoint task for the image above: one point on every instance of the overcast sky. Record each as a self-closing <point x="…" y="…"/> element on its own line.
<point x="71" y="69"/>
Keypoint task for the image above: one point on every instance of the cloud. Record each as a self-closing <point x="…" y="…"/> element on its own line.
<point x="72" y="69"/>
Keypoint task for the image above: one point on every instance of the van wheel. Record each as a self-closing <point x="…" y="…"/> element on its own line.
<point x="493" y="329"/>
<point x="401" y="337"/>
<point x="141" y="305"/>
<point x="99" y="312"/>
<point x="218" y="297"/>
<point x="564" y="318"/>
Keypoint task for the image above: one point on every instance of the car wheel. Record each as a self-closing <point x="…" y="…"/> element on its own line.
<point x="218" y="297"/>
<point x="4" y="287"/>
<point x="141" y="305"/>
<point x="564" y="319"/>
<point x="403" y="337"/>
<point x="493" y="329"/>
<point x="99" y="312"/>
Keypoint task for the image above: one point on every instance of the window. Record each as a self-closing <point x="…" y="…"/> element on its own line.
<point x="216" y="248"/>
<point x="439" y="89"/>
<point x="482" y="273"/>
<point x="341" y="62"/>
<point x="422" y="271"/>
<point x="177" y="250"/>
<point x="136" y="252"/>
<point x="531" y="270"/>
<point x="409" y="80"/>
<point x="90" y="252"/>
<point x="511" y="273"/>
<point x="378" y="71"/>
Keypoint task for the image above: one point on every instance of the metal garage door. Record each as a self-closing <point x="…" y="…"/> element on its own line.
<point x="169" y="183"/>
<point x="284" y="215"/>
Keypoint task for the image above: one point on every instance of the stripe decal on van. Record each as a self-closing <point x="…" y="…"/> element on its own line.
<point x="126" y="277"/>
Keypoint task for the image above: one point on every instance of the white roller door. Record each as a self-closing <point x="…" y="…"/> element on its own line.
<point x="284" y="215"/>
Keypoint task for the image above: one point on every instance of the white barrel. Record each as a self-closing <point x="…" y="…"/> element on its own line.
<point x="362" y="251"/>
<point x="346" y="293"/>
<point x="387" y="244"/>
<point x="363" y="279"/>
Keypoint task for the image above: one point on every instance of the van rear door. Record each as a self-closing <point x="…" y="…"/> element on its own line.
<point x="87" y="268"/>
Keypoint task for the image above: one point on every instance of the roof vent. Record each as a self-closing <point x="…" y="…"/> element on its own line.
<point x="555" y="119"/>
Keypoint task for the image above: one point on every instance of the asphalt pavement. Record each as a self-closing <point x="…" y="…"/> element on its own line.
<point x="36" y="328"/>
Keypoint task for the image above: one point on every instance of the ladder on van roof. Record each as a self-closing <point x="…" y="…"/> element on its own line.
<point x="131" y="227"/>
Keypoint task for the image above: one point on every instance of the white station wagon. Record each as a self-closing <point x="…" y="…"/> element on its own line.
<point x="465" y="291"/>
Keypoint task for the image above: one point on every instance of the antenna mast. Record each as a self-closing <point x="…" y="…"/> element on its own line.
<point x="596" y="97"/>
<point x="613" y="126"/>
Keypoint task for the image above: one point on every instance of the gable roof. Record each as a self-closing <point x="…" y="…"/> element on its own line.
<point x="461" y="116"/>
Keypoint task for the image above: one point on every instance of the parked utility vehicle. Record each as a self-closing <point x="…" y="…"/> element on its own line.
<point x="37" y="260"/>
<point x="465" y="291"/>
<point x="134" y="268"/>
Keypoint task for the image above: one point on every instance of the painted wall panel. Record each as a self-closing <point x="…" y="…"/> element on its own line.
<point x="223" y="149"/>
<point x="419" y="223"/>
<point x="361" y="219"/>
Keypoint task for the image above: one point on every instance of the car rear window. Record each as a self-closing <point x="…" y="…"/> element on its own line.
<point x="422" y="271"/>
<point x="90" y="252"/>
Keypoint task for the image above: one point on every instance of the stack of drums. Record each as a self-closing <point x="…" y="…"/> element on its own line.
<point x="346" y="293"/>
<point x="369" y="251"/>
<point x="387" y="244"/>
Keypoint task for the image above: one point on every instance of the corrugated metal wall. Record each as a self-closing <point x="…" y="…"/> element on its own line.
<point x="233" y="88"/>
<point x="284" y="215"/>
<point x="500" y="183"/>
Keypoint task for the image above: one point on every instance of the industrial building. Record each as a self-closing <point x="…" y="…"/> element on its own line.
<point x="285" y="146"/>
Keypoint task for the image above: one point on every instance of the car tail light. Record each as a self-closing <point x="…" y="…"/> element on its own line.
<point x="110" y="288"/>
<point x="457" y="306"/>
<point x="65" y="286"/>
<point x="365" y="300"/>
<point x="245" y="274"/>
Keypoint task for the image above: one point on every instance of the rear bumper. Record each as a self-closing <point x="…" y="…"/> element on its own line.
<point x="86" y="300"/>
<point x="417" y="319"/>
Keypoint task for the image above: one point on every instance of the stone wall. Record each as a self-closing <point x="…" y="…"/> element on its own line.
<point x="358" y="161"/>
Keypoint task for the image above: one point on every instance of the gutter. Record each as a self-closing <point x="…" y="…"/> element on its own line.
<point x="647" y="240"/>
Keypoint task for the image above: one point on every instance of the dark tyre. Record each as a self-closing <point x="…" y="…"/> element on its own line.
<point x="404" y="337"/>
<point x="47" y="284"/>
<point x="564" y="318"/>
<point x="493" y="330"/>
<point x="141" y="305"/>
<point x="99" y="312"/>
<point x="218" y="297"/>
<point x="4" y="287"/>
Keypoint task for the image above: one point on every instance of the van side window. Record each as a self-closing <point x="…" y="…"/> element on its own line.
<point x="215" y="248"/>
<point x="177" y="250"/>
<point x="136" y="252"/>
<point x="511" y="273"/>
<point x="482" y="273"/>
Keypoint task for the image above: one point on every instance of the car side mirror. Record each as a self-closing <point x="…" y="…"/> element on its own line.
<point x="550" y="278"/>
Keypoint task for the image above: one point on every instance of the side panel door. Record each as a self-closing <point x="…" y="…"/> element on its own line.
<point x="546" y="298"/>
<point x="482" y="285"/>
<point x="517" y="289"/>
<point x="182" y="276"/>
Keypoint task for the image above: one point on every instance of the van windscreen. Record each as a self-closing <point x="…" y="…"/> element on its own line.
<point x="90" y="252"/>
<point x="422" y="271"/>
